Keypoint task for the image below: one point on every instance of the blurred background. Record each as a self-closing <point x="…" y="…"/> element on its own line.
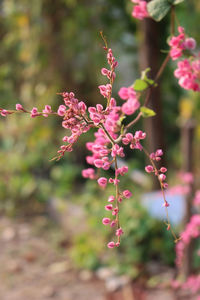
<point x="51" y="236"/>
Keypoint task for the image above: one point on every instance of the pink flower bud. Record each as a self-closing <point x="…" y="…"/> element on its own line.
<point x="165" y="185"/>
<point x="19" y="107"/>
<point x="115" y="211"/>
<point x="46" y="110"/>
<point x="163" y="169"/>
<point x="104" y="71"/>
<point x="113" y="223"/>
<point x="109" y="207"/>
<point x="99" y="107"/>
<point x="34" y="112"/>
<point x="119" y="231"/>
<point x="98" y="163"/>
<point x="106" y="221"/>
<point x="61" y="110"/>
<point x="162" y="177"/>
<point x="190" y="43"/>
<point x="127" y="139"/>
<point x="111" y="245"/>
<point x="127" y="194"/>
<point x="82" y="106"/>
<point x="119" y="199"/>
<point x="102" y="181"/>
<point x="166" y="204"/>
<point x="88" y="173"/>
<point x="159" y="152"/>
<point x="149" y="169"/>
<point x="123" y="93"/>
<point x="4" y="113"/>
<point x="92" y="110"/>
<point x="111" y="198"/>
<point x="65" y="139"/>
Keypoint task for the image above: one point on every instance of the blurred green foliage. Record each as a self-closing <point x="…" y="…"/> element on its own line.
<point x="145" y="238"/>
<point x="48" y="47"/>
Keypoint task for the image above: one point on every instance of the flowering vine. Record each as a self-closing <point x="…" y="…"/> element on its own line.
<point x="113" y="133"/>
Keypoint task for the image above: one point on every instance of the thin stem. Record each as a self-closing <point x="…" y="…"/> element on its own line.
<point x="159" y="73"/>
<point x="107" y="133"/>
<point x="117" y="195"/>
<point x="172" y="20"/>
<point x="176" y="239"/>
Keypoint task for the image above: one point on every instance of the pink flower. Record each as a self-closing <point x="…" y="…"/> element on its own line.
<point x="127" y="194"/>
<point x="115" y="181"/>
<point x="119" y="231"/>
<point x="4" y="112"/>
<point x="108" y="207"/>
<point x="98" y="163"/>
<point x="61" y="110"/>
<point x="166" y="204"/>
<point x="115" y="211"/>
<point x="105" y="90"/>
<point x="162" y="177"/>
<point x="130" y="106"/>
<point x="140" y="11"/>
<point x="123" y="93"/>
<point x="190" y="43"/>
<point x="175" y="53"/>
<point x="149" y="169"/>
<point x="159" y="152"/>
<point x="163" y="170"/>
<point x="111" y="198"/>
<point x="121" y="171"/>
<point x="111" y="245"/>
<point x="106" y="221"/>
<point x="127" y="93"/>
<point x="127" y="139"/>
<point x="88" y="173"/>
<point x="47" y="110"/>
<point x="34" y="112"/>
<point x="102" y="181"/>
<point x="19" y="107"/>
<point x="113" y="223"/>
<point x="117" y="150"/>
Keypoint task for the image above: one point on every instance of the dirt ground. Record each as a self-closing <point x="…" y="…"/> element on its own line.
<point x="34" y="269"/>
<point x="35" y="265"/>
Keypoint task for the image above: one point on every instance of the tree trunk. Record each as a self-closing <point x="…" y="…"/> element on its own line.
<point x="187" y="134"/>
<point x="149" y="57"/>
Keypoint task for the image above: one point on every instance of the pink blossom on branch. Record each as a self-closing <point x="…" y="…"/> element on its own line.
<point x="140" y="9"/>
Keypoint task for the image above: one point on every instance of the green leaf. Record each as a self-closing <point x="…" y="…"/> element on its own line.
<point x="145" y="78"/>
<point x="147" y="112"/>
<point x="140" y="85"/>
<point x="158" y="9"/>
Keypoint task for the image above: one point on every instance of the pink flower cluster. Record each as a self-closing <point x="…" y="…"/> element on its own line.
<point x="110" y="138"/>
<point x="184" y="188"/>
<point x="192" y="284"/>
<point x="132" y="103"/>
<point x="140" y="9"/>
<point x="134" y="141"/>
<point x="156" y="156"/>
<point x="197" y="199"/>
<point x="188" y="70"/>
<point x="191" y="231"/>
<point x="74" y="118"/>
